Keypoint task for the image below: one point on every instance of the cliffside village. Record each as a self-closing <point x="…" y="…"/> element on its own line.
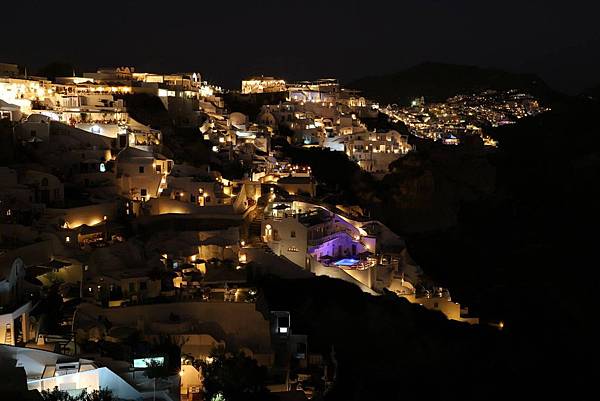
<point x="139" y="248"/>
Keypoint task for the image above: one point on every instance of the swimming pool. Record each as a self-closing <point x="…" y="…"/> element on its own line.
<point x="346" y="262"/>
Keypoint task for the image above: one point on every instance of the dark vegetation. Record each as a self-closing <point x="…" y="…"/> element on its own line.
<point x="59" y="395"/>
<point x="234" y="376"/>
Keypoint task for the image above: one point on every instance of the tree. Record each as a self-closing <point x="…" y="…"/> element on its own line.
<point x="233" y="377"/>
<point x="103" y="394"/>
<point x="156" y="370"/>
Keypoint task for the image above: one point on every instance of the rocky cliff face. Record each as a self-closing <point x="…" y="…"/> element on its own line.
<point x="424" y="190"/>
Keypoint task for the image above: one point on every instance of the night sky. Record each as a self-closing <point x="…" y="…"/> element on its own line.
<point x="227" y="40"/>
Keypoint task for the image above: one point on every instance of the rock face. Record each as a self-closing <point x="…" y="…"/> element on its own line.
<point x="425" y="189"/>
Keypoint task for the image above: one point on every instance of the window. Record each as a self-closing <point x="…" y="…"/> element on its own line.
<point x="435" y="305"/>
<point x="293" y="234"/>
<point x="143" y="192"/>
<point x="143" y="286"/>
<point x="192" y="198"/>
<point x="283" y="322"/>
<point x="158" y="168"/>
<point x="141" y="169"/>
<point x="131" y="287"/>
<point x="207" y="199"/>
<point x="44" y="182"/>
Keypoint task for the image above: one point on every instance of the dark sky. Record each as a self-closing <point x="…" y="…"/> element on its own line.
<point x="305" y="39"/>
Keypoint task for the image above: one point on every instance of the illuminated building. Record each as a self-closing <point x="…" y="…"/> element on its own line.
<point x="46" y="370"/>
<point x="142" y="175"/>
<point x="374" y="151"/>
<point x="263" y="85"/>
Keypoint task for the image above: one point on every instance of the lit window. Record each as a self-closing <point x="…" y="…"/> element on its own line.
<point x="268" y="230"/>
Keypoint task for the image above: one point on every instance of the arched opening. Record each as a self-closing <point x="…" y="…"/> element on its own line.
<point x="268" y="232"/>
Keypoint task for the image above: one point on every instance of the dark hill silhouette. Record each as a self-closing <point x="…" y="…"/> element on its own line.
<point x="439" y="81"/>
<point x="592" y="93"/>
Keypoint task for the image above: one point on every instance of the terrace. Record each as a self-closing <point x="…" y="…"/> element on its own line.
<point x="362" y="261"/>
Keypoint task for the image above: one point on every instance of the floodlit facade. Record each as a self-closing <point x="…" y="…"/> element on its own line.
<point x="263" y="85"/>
<point x="374" y="151"/>
<point x="141" y="175"/>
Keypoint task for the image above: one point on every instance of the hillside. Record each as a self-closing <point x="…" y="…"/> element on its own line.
<point x="438" y="81"/>
<point x="592" y="93"/>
